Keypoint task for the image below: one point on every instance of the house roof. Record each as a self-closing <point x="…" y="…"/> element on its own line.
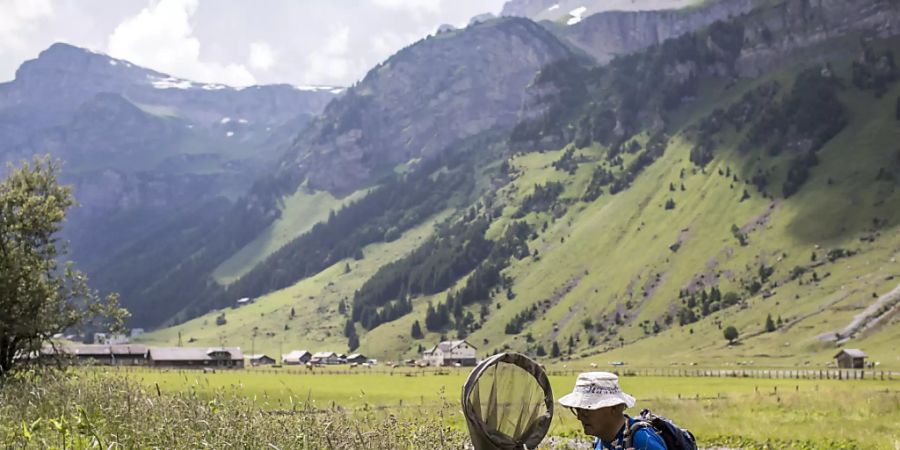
<point x="356" y="355"/>
<point x="192" y="353"/>
<point x="88" y="350"/>
<point x="295" y="354"/>
<point x="260" y="356"/>
<point x="852" y="352"/>
<point x="320" y="355"/>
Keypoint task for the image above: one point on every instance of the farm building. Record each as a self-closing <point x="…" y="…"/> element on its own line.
<point x="851" y="358"/>
<point x="186" y="357"/>
<point x="449" y="353"/>
<point x="260" y="360"/>
<point x="356" y="358"/>
<point x="296" y="357"/>
<point x="325" y="358"/>
<point x="109" y="355"/>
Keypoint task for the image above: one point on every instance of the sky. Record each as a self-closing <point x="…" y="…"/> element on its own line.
<point x="235" y="42"/>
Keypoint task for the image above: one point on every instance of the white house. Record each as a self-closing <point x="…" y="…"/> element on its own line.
<point x="110" y="339"/>
<point x="448" y="353"/>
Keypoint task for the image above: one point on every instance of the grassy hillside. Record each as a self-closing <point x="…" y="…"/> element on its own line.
<point x="611" y="278"/>
<point x="299" y="212"/>
<point x="317" y="323"/>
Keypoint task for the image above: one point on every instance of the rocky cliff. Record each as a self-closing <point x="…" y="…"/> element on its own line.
<point x="422" y="100"/>
<point x="775" y="33"/>
<point x="608" y="34"/>
<point x="565" y="11"/>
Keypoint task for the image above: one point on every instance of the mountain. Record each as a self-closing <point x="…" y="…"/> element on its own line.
<point x="570" y="12"/>
<point x="741" y="172"/>
<point x="143" y="149"/>
<point x="428" y="96"/>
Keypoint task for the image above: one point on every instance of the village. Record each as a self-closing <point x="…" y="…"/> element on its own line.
<point x="116" y="350"/>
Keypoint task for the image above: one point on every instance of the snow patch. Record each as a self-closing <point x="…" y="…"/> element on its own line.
<point x="213" y="87"/>
<point x="225" y="120"/>
<point x="171" y="83"/>
<point x="553" y="8"/>
<point x="229" y="134"/>
<point x="337" y="90"/>
<point x="243" y="121"/>
<point x="317" y="88"/>
<point x="113" y="63"/>
<point x="576" y="15"/>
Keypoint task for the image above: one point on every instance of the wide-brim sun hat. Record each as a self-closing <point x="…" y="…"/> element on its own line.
<point x="595" y="390"/>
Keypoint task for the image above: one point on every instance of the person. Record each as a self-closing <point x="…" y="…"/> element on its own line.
<point x="599" y="403"/>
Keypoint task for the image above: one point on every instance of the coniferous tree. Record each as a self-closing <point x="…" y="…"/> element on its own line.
<point x="416" y="331"/>
<point x="770" y="325"/>
<point x="554" y="351"/>
<point x="349" y="329"/>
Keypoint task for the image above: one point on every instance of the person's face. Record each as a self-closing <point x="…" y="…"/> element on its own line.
<point x="599" y="422"/>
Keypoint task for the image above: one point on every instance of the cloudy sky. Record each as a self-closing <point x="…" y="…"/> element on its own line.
<point x="237" y="42"/>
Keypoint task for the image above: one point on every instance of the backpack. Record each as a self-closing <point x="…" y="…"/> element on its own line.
<point x="675" y="437"/>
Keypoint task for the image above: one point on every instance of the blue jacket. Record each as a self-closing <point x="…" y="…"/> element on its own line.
<point x="643" y="439"/>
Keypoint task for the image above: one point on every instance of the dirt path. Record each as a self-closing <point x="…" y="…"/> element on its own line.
<point x="871" y="315"/>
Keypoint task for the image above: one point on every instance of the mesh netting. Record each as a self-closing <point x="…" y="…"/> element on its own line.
<point x="508" y="403"/>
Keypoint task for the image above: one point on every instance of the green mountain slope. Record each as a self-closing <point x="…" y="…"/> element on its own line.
<point x="679" y="205"/>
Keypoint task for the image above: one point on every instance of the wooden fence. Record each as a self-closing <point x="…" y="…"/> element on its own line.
<point x="785" y="374"/>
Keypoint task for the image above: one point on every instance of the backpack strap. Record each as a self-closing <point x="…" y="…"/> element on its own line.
<point x="631" y="430"/>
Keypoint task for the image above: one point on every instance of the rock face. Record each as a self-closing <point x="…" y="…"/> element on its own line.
<point x="563" y="10"/>
<point x="420" y="101"/>
<point x="777" y="32"/>
<point x="138" y="144"/>
<point x="612" y="33"/>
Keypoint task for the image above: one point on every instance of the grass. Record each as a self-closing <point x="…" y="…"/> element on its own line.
<point x="299" y="213"/>
<point x="143" y="407"/>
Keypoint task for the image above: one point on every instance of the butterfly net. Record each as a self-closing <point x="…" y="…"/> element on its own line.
<point x="508" y="403"/>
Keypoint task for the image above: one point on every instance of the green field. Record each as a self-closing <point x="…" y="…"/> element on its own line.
<point x="865" y="413"/>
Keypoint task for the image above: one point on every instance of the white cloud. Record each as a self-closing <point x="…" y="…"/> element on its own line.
<point x="331" y="60"/>
<point x="431" y="6"/>
<point x="262" y="56"/>
<point x="161" y="36"/>
<point x="18" y="16"/>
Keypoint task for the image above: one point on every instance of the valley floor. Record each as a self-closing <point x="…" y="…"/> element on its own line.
<point x="143" y="407"/>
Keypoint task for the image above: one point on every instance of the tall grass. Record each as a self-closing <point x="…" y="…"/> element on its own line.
<point x="77" y="410"/>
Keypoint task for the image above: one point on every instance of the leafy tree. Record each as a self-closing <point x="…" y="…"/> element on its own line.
<point x="38" y="296"/>
<point x="731" y="333"/>
<point x="416" y="331"/>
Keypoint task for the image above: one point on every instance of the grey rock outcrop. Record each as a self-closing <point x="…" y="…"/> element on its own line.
<point x="608" y="34"/>
<point x="422" y="100"/>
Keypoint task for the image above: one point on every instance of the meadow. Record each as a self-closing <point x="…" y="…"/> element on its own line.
<point x="721" y="411"/>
